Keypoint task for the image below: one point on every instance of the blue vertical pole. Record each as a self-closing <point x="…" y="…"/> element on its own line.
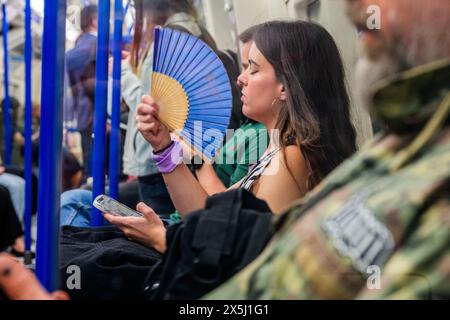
<point x="53" y="47"/>
<point x="28" y="133"/>
<point x="101" y="101"/>
<point x="114" y="146"/>
<point x="7" y="103"/>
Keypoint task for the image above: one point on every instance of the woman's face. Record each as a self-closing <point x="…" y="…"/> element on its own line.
<point x="262" y="93"/>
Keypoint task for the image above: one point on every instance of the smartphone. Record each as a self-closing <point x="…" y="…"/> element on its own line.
<point x="109" y="205"/>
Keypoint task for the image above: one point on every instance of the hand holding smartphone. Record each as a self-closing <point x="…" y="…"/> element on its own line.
<point x="109" y="205"/>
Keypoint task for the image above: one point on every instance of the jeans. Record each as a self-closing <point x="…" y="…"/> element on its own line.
<point x="20" y="172"/>
<point x="153" y="192"/>
<point x="16" y="188"/>
<point x="76" y="209"/>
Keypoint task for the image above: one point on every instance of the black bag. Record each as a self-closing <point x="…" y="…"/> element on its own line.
<point x="111" y="266"/>
<point x="211" y="246"/>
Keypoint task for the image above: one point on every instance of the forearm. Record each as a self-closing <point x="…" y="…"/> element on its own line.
<point x="185" y="191"/>
<point x="209" y="180"/>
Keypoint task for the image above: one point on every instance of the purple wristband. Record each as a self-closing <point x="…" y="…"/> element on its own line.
<point x="170" y="158"/>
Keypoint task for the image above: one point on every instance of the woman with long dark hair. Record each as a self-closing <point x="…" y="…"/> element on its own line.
<point x="315" y="114"/>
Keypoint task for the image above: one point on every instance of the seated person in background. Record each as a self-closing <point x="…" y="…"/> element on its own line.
<point x="72" y="173"/>
<point x="17" y="131"/>
<point x="12" y="176"/>
<point x="16" y="135"/>
<point x="19" y="137"/>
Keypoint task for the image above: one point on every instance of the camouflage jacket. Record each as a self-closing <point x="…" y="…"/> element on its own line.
<point x="378" y="226"/>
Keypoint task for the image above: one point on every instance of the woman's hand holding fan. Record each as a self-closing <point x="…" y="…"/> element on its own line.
<point x="191" y="99"/>
<point x="150" y="127"/>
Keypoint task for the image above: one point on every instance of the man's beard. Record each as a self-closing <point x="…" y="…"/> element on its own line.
<point x="368" y="72"/>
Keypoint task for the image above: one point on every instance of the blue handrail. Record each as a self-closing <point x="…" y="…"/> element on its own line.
<point x="114" y="150"/>
<point x="7" y="103"/>
<point x="53" y="47"/>
<point x="101" y="100"/>
<point x="28" y="131"/>
<point x="125" y="11"/>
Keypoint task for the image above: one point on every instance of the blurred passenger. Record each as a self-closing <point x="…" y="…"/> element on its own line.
<point x="14" y="174"/>
<point x="14" y="277"/>
<point x="79" y="110"/>
<point x="379" y="226"/>
<point x="17" y="139"/>
<point x="71" y="171"/>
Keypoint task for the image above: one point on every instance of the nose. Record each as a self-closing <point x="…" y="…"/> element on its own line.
<point x="242" y="79"/>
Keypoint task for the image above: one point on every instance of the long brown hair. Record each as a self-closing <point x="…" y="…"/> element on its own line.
<point x="316" y="116"/>
<point x="154" y="12"/>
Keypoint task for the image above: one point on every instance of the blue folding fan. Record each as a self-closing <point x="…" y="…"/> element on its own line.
<point x="192" y="88"/>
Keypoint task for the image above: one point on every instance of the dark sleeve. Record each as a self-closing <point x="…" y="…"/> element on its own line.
<point x="10" y="226"/>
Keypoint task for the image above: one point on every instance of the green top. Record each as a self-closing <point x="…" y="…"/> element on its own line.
<point x="379" y="225"/>
<point x="244" y="148"/>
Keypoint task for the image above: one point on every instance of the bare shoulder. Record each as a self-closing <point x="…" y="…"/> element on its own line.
<point x="295" y="163"/>
<point x="284" y="179"/>
<point x="287" y="167"/>
<point x="293" y="159"/>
